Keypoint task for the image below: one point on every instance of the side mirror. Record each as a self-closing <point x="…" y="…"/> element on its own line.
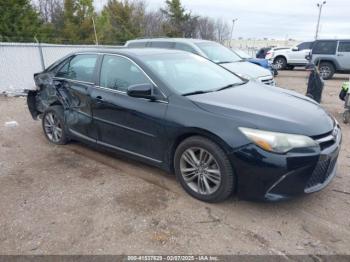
<point x="141" y="91"/>
<point x="294" y="49"/>
<point x="308" y="56"/>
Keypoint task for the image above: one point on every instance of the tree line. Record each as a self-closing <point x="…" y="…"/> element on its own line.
<point x="73" y="22"/>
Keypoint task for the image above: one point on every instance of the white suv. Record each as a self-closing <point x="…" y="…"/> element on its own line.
<point x="288" y="58"/>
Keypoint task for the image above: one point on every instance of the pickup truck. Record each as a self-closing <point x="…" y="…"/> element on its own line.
<point x="287" y="58"/>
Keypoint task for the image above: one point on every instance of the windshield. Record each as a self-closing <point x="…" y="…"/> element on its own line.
<point x="218" y="53"/>
<point x="242" y="54"/>
<point x="188" y="73"/>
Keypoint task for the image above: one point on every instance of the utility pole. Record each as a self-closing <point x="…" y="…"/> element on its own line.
<point x="233" y="26"/>
<point x="319" y="5"/>
<point x="93" y="23"/>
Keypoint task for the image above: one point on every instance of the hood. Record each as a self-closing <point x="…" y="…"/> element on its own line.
<point x="246" y="68"/>
<point x="260" y="61"/>
<point x="268" y="108"/>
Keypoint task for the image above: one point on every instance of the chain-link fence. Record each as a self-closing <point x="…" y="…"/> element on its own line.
<point x="20" y="61"/>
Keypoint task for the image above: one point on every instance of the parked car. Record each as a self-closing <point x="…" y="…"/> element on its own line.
<point x="262" y="52"/>
<point x="212" y="51"/>
<point x="217" y="132"/>
<point x="257" y="61"/>
<point x="331" y="56"/>
<point x="288" y="58"/>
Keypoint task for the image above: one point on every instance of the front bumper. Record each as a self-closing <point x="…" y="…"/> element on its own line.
<point x="272" y="177"/>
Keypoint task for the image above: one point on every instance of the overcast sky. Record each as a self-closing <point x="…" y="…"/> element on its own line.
<point x="272" y="18"/>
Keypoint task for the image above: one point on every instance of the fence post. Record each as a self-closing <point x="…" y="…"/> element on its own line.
<point x="40" y="54"/>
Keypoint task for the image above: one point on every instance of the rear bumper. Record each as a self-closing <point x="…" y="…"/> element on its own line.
<point x="32" y="103"/>
<point x="271" y="177"/>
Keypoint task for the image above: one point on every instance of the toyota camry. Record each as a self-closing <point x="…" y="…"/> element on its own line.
<point x="218" y="133"/>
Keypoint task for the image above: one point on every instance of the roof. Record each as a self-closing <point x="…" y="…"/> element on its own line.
<point x="182" y="40"/>
<point x="132" y="51"/>
<point x="333" y="39"/>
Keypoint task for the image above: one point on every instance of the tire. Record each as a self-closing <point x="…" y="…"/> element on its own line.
<point x="54" y="125"/>
<point x="326" y="70"/>
<point x="280" y="63"/>
<point x="210" y="186"/>
<point x="346" y="117"/>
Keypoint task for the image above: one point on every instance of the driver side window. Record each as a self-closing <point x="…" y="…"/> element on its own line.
<point x="80" y="67"/>
<point x="119" y="73"/>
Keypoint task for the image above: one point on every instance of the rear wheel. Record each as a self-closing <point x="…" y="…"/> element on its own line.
<point x="280" y="63"/>
<point x="204" y="170"/>
<point x="326" y="70"/>
<point x="54" y="125"/>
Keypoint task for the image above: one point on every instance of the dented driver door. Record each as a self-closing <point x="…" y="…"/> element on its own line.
<point x="73" y="83"/>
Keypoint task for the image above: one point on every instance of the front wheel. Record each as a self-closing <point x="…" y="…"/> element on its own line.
<point x="204" y="170"/>
<point x="280" y="63"/>
<point x="54" y="125"/>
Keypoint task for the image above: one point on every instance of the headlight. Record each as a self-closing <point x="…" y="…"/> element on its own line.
<point x="245" y="76"/>
<point x="277" y="142"/>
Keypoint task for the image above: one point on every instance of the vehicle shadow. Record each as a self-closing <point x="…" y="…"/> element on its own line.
<point x="167" y="181"/>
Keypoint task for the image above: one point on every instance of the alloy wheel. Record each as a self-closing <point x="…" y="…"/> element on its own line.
<point x="325" y="72"/>
<point x="279" y="63"/>
<point x="200" y="171"/>
<point x="53" y="127"/>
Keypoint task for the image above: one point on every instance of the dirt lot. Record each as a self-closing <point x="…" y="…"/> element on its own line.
<point x="75" y="200"/>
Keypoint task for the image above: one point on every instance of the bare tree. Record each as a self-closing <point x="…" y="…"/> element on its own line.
<point x="153" y="24"/>
<point x="206" y="28"/>
<point x="222" y="30"/>
<point x="190" y="27"/>
<point x="49" y="10"/>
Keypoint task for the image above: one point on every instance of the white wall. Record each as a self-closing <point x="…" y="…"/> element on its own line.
<point x="19" y="62"/>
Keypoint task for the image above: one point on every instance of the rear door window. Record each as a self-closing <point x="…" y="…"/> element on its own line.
<point x="137" y="44"/>
<point x="344" y="46"/>
<point x="325" y="47"/>
<point x="80" y="68"/>
<point x="305" y="45"/>
<point x="159" y="44"/>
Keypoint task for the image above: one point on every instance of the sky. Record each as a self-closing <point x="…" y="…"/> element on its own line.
<point x="278" y="19"/>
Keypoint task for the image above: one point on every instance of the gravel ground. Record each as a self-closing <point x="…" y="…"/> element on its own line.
<point x="76" y="200"/>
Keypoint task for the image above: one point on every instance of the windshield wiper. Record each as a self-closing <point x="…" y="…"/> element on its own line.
<point x="224" y="62"/>
<point x="232" y="85"/>
<point x="197" y="92"/>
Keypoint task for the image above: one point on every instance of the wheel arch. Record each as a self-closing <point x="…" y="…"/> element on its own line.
<point x="327" y="60"/>
<point x="190" y="133"/>
<point x="280" y="56"/>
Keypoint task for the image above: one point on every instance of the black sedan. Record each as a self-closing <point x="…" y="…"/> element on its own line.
<point x="220" y="134"/>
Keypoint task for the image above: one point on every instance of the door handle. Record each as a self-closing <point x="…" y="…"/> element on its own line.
<point x="99" y="99"/>
<point x="340" y="55"/>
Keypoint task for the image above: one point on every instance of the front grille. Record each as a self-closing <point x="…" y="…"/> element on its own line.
<point x="328" y="139"/>
<point x="321" y="173"/>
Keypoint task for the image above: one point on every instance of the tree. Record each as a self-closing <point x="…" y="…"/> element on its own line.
<point x="121" y="21"/>
<point x="177" y="18"/>
<point x="222" y="30"/>
<point x="49" y="9"/>
<point x="206" y="28"/>
<point x="77" y="21"/>
<point x="18" y="21"/>
<point x="153" y="24"/>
